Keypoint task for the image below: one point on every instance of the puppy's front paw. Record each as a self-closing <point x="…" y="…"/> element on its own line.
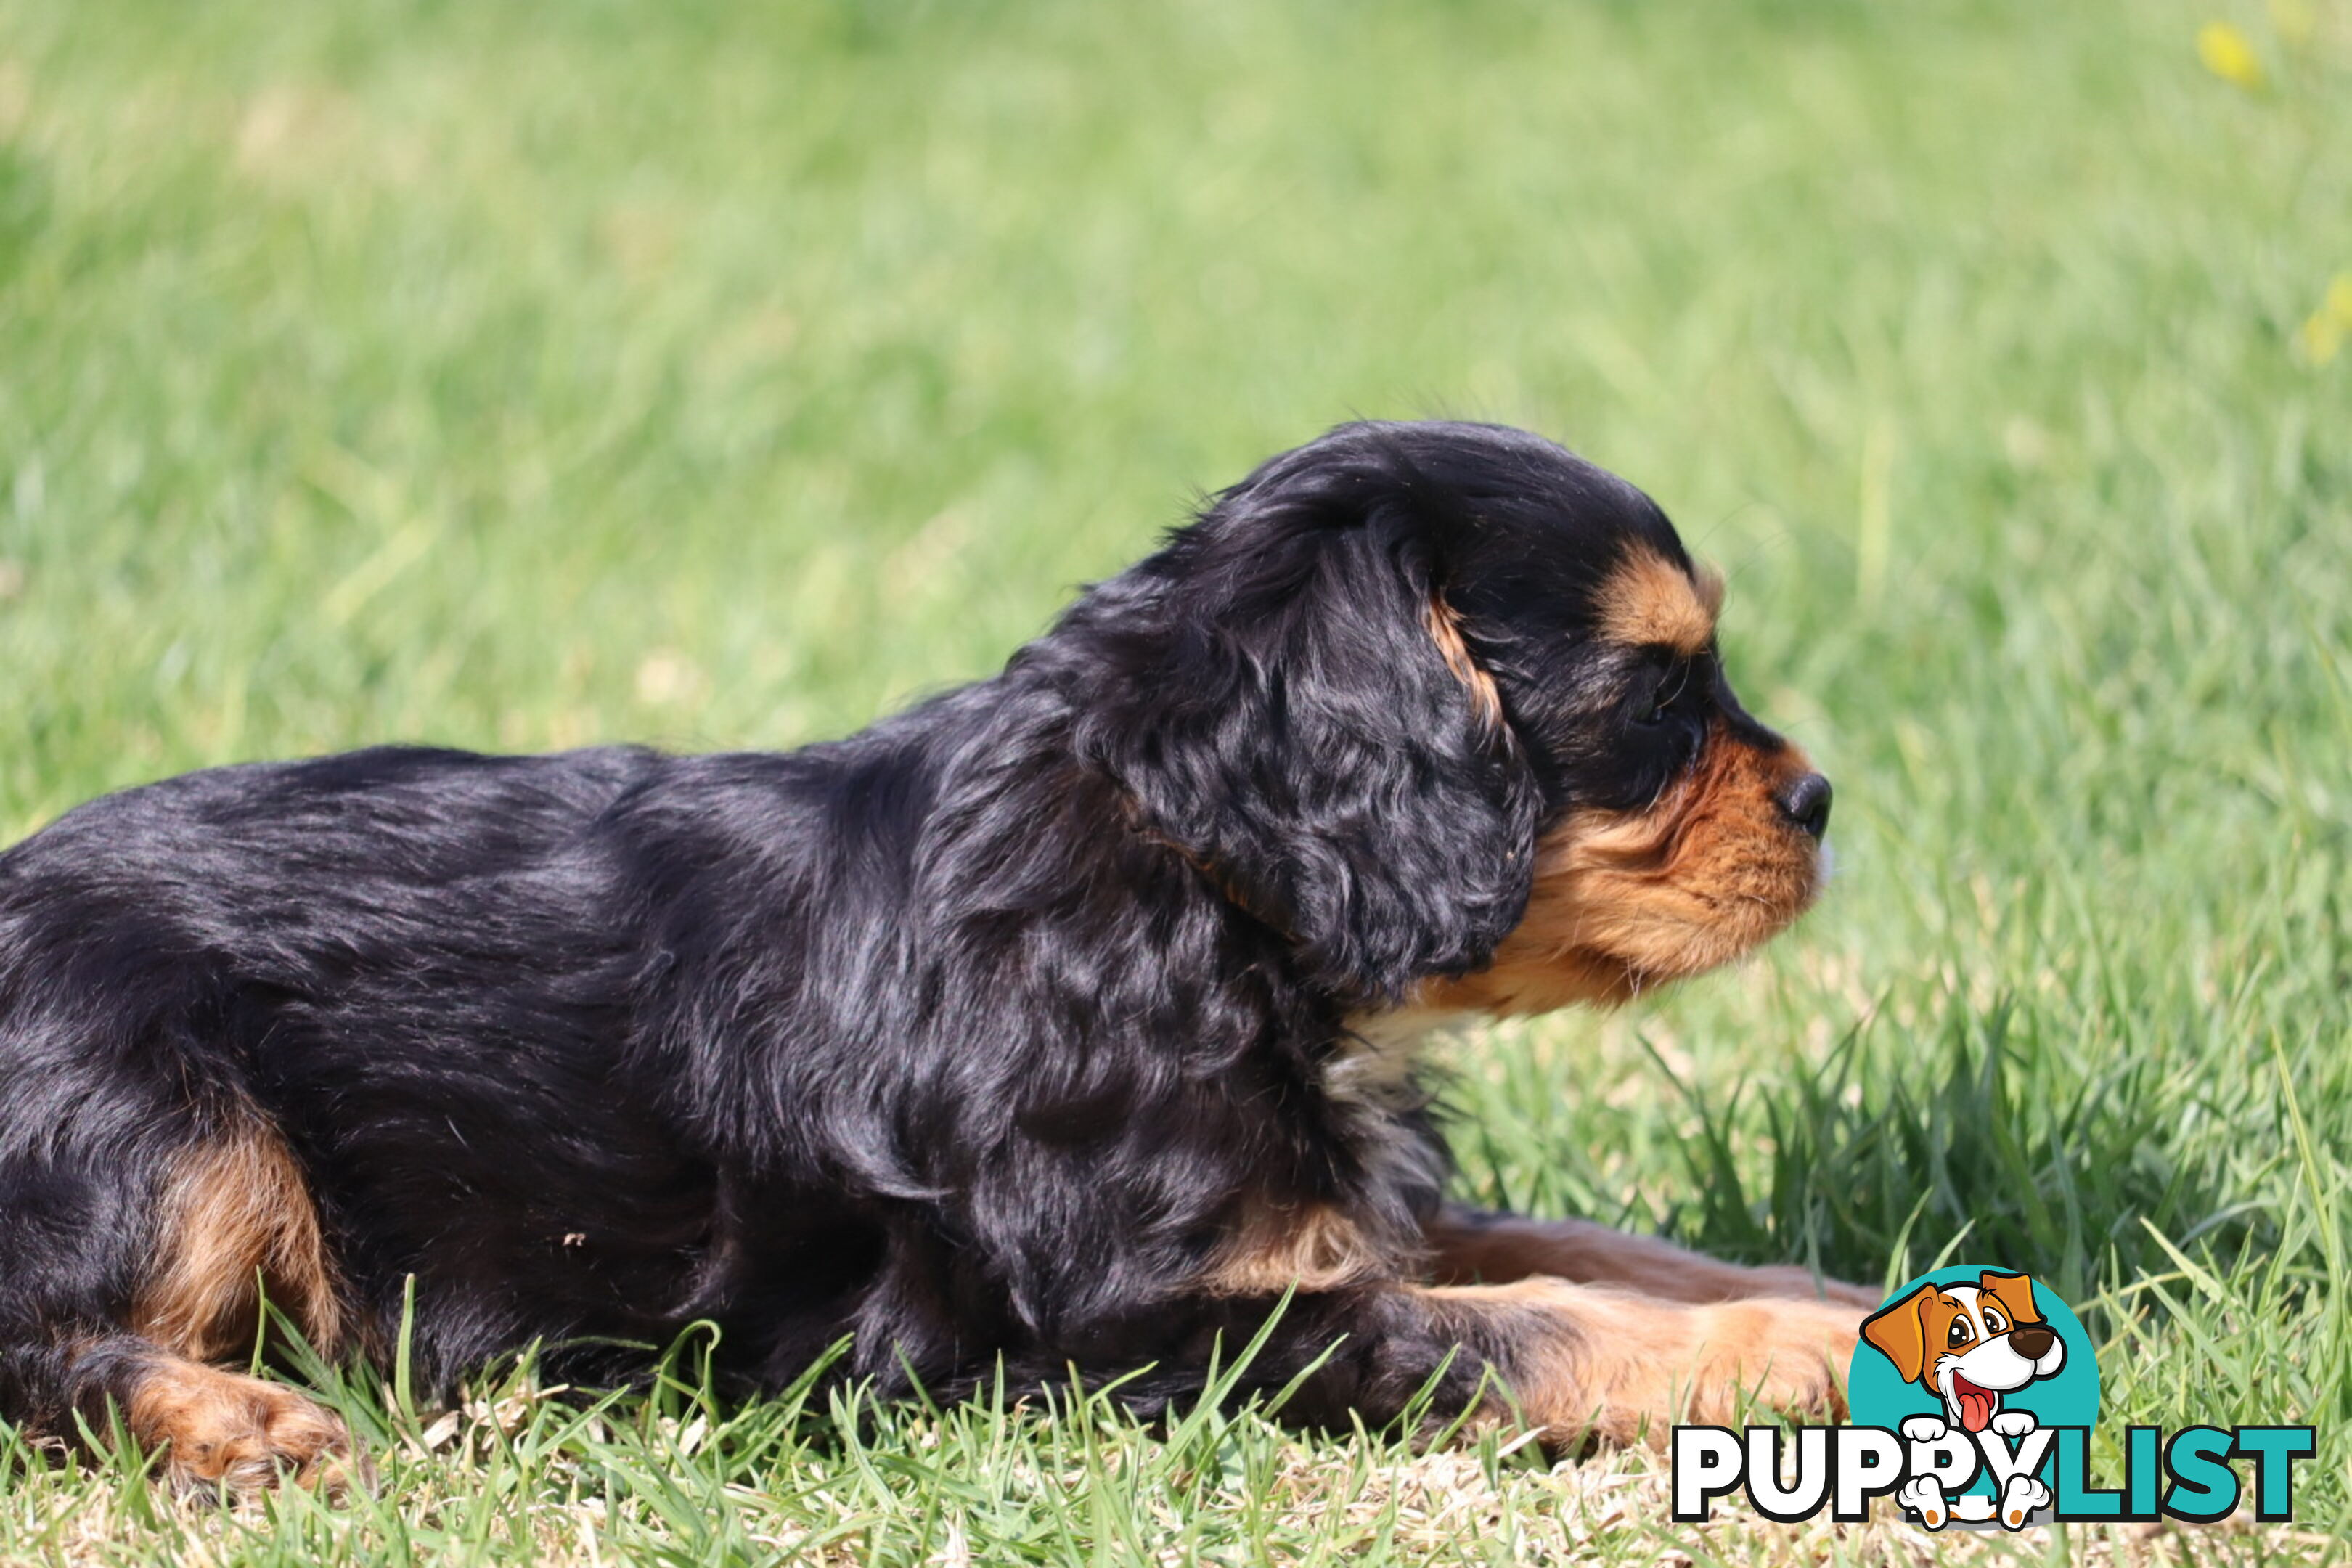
<point x="225" y="1434"/>
<point x="1924" y="1429"/>
<point x="2013" y="1423"/>
<point x="1923" y="1497"/>
<point x="1786" y="1355"/>
<point x="2019" y="1498"/>
<point x="1591" y="1361"/>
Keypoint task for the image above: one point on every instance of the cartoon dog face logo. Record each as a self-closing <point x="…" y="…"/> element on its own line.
<point x="1969" y="1344"/>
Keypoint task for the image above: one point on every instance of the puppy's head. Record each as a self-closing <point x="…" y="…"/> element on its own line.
<point x="1444" y="702"/>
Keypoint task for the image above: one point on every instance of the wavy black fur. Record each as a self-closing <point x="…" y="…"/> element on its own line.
<point x="967" y="1034"/>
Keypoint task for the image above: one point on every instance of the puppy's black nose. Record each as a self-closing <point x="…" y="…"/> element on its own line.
<point x="1806" y="803"/>
<point x="2031" y="1341"/>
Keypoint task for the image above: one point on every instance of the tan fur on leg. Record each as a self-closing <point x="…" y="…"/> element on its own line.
<point x="1472" y="1246"/>
<point x="235" y="1216"/>
<point x="233" y="1434"/>
<point x="1588" y="1362"/>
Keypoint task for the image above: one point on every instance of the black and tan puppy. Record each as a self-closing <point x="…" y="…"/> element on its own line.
<point x="1066" y="1019"/>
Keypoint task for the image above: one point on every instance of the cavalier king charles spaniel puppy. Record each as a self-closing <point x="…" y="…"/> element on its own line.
<point x="1066" y="1020"/>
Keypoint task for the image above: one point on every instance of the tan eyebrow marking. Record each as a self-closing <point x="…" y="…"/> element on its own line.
<point x="1649" y="602"/>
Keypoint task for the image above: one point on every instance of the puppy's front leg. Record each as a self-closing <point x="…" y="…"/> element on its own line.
<point x="1467" y="1245"/>
<point x="1582" y="1362"/>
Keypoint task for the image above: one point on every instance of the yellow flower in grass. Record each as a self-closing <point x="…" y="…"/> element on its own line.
<point x="2321" y="336"/>
<point x="2228" y="55"/>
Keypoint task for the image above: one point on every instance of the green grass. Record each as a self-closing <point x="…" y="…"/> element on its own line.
<point x="710" y="374"/>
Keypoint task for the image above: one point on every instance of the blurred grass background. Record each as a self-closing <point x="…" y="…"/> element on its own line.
<point x="722" y="374"/>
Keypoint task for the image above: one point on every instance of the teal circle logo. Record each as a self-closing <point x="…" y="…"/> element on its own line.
<point x="1986" y="1354"/>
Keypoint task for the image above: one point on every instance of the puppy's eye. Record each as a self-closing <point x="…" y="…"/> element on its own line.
<point x="1961" y="1334"/>
<point x="1994" y="1322"/>
<point x="1663" y="700"/>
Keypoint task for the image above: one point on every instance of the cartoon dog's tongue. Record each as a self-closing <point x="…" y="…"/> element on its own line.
<point x="1975" y="1404"/>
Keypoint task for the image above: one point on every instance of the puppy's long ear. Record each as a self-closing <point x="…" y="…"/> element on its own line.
<point x="1306" y="719"/>
<point x="1900" y="1332"/>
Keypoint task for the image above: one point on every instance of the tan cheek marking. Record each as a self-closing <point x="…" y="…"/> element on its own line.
<point x="1649" y="602"/>
<point x="1313" y="1247"/>
<point x="1627" y="899"/>
<point x="235" y="1209"/>
<point x="1445" y="630"/>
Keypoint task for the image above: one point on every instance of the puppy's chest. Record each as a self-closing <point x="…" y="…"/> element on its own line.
<point x="1376" y="1066"/>
<point x="1373" y="1081"/>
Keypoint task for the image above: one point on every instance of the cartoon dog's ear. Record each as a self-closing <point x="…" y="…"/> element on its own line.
<point x="2015" y="1294"/>
<point x="1305" y="717"/>
<point x="1900" y="1332"/>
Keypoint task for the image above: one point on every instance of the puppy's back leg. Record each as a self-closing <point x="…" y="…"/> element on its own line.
<point x="121" y="1277"/>
<point x="218" y="1431"/>
<point x="233" y="1215"/>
